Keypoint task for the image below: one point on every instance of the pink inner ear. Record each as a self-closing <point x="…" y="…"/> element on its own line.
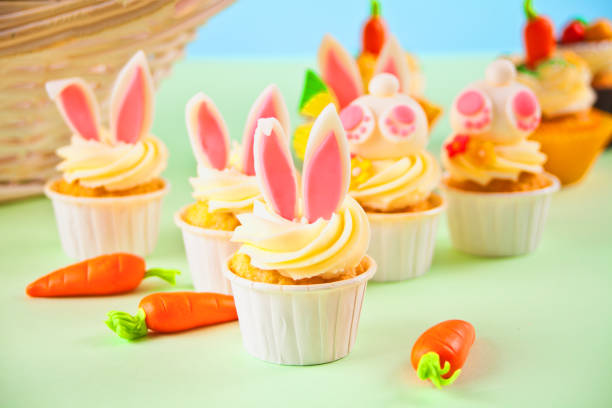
<point x="278" y="176"/>
<point x="337" y="77"/>
<point x="212" y="138"/>
<point x="391" y="68"/>
<point x="323" y="180"/>
<point x="268" y="110"/>
<point x="132" y="110"/>
<point x="351" y="116"/>
<point x="470" y="103"/>
<point x="524" y="104"/>
<point x="78" y="110"/>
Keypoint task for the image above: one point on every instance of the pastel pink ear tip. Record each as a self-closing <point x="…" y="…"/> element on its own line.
<point x="212" y="138"/>
<point x="525" y="104"/>
<point x="131" y="115"/>
<point x="77" y="109"/>
<point x="470" y="103"/>
<point x="404" y="114"/>
<point x="351" y="116"/>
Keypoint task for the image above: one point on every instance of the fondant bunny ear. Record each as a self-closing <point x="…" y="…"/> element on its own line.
<point x="339" y="71"/>
<point x="131" y="109"/>
<point x="327" y="166"/>
<point x="207" y="132"/>
<point x="392" y="60"/>
<point x="78" y="106"/>
<point x="269" y="104"/>
<point x="274" y="168"/>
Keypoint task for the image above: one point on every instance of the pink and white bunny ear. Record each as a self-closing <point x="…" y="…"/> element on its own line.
<point x="131" y="109"/>
<point x="78" y="106"/>
<point x="274" y="168"/>
<point x="339" y="71"/>
<point x="207" y="132"/>
<point x="523" y="110"/>
<point x="269" y="104"/>
<point x="392" y="60"/>
<point x="327" y="166"/>
<point x="472" y="112"/>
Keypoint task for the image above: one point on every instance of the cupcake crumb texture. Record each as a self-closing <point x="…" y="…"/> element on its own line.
<point x="77" y="190"/>
<point x="430" y="202"/>
<point x="525" y="182"/>
<point x="240" y="264"/>
<point x="198" y="215"/>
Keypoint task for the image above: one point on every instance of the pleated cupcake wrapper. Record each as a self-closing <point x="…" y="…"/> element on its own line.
<point x="299" y="324"/>
<point x="402" y="244"/>
<point x="207" y="251"/>
<point x="90" y="226"/>
<point x="498" y="224"/>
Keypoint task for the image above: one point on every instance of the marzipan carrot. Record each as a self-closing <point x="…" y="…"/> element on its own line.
<point x="374" y="31"/>
<point x="103" y="275"/>
<point x="539" y="37"/>
<point x="170" y="312"/>
<point x="441" y="351"/>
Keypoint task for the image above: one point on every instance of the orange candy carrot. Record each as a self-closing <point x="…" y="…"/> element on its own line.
<point x="103" y="275"/>
<point x="539" y="37"/>
<point x="441" y="351"/>
<point x="374" y="31"/>
<point x="171" y="312"/>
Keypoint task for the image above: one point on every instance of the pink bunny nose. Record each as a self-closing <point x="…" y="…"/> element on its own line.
<point x="351" y="116"/>
<point x="403" y="114"/>
<point x="470" y="103"/>
<point x="524" y="104"/>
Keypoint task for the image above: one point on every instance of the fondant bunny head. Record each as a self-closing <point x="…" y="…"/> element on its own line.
<point x="497" y="109"/>
<point x="385" y="124"/>
<point x="340" y="72"/>
<point x="131" y="104"/>
<point x="208" y="132"/>
<point x="326" y="171"/>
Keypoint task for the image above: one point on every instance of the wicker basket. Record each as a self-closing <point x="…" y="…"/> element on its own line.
<point x="92" y="39"/>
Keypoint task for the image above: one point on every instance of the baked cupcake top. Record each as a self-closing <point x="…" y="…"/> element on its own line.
<point x="124" y="156"/>
<point x="324" y="232"/>
<point x="388" y="131"/>
<point x="491" y="120"/>
<point x="226" y="180"/>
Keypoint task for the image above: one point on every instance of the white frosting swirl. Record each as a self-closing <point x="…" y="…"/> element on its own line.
<point x="300" y="250"/>
<point x="397" y="184"/>
<point x="226" y="190"/>
<point x="115" y="167"/>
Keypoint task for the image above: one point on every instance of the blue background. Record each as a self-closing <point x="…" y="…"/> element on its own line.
<point x="280" y="28"/>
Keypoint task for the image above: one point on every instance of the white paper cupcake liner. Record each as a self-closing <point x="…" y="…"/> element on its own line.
<point x="402" y="244"/>
<point x="299" y="324"/>
<point x="207" y="251"/>
<point x="498" y="224"/>
<point x="90" y="226"/>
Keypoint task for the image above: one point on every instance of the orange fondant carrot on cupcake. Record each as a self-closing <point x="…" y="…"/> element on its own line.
<point x="539" y="36"/>
<point x="102" y="275"/>
<point x="173" y="312"/>
<point x="374" y="31"/>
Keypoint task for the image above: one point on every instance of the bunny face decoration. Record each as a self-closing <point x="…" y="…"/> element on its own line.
<point x="385" y="124"/>
<point x="498" y="109"/>
<point x="317" y="231"/>
<point x="123" y="156"/>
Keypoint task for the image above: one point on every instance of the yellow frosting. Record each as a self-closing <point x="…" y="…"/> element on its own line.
<point x="299" y="250"/>
<point x="114" y="167"/>
<point x="484" y="161"/>
<point x="226" y="190"/>
<point x="562" y="85"/>
<point x="398" y="183"/>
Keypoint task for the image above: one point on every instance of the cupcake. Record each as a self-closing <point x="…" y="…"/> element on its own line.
<point x="572" y="133"/>
<point x="301" y="271"/>
<point x="109" y="196"/>
<point x="224" y="187"/>
<point x="592" y="41"/>
<point x="498" y="193"/>
<point x="343" y="78"/>
<point x="393" y="178"/>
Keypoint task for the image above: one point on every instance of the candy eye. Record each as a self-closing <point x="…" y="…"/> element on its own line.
<point x="358" y="122"/>
<point x="524" y="111"/>
<point x="398" y="123"/>
<point x="471" y="112"/>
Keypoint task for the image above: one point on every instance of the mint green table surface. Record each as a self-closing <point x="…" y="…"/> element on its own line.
<point x="543" y="321"/>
